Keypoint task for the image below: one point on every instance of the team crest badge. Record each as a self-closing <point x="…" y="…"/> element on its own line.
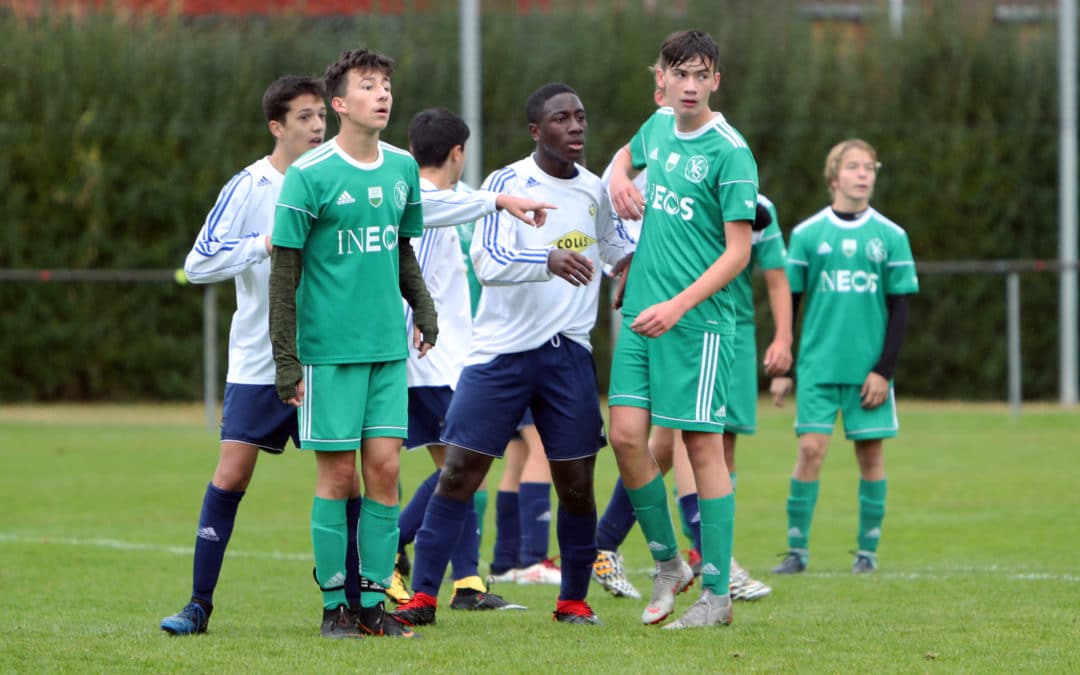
<point x="672" y="161"/>
<point x="697" y="167"/>
<point x="374" y="195"/>
<point x="592" y="210"/>
<point x="401" y="193"/>
<point x="875" y="250"/>
<point x="849" y="247"/>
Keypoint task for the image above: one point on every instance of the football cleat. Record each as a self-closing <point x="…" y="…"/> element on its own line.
<point x="420" y="611"/>
<point x="396" y="592"/>
<point x="744" y="587"/>
<point x="865" y="562"/>
<point x="693" y="558"/>
<point x="672" y="577"/>
<point x="339" y="624"/>
<point x="608" y="571"/>
<point x="472" y="599"/>
<point x="377" y="622"/>
<point x="192" y="619"/>
<point x="575" y="611"/>
<point x="543" y="572"/>
<point x="709" y="610"/>
<point x="794" y="562"/>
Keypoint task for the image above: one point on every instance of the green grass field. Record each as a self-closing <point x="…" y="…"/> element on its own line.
<point x="980" y="539"/>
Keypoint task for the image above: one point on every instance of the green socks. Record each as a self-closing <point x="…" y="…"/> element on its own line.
<point x="651" y="507"/>
<point x="328" y="541"/>
<point x="717" y="534"/>
<point x="800" y="510"/>
<point x="378" y="540"/>
<point x="871" y="513"/>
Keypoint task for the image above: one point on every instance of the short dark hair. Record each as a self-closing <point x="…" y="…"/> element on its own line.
<point x="337" y="73"/>
<point x="534" y="105"/>
<point x="680" y="47"/>
<point x="283" y="90"/>
<point x="433" y="133"/>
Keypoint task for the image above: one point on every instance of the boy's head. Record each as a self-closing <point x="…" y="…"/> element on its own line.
<point x="295" y="109"/>
<point x="359" y="87"/>
<point x="687" y="73"/>
<point x="557" y="123"/>
<point x="280" y="94"/>
<point x="360" y="60"/>
<point x="686" y="46"/>
<point x="851" y="170"/>
<point x="433" y="135"/>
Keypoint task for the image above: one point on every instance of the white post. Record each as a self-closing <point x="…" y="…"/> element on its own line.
<point x="469" y="46"/>
<point x="1067" y="176"/>
<point x="896" y="17"/>
<point x="1012" y="339"/>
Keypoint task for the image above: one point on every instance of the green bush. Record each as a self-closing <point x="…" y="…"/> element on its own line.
<point x="119" y="130"/>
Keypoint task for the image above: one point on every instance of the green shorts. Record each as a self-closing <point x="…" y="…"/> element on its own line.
<point x="816" y="406"/>
<point x="742" y="389"/>
<point x="346" y="403"/>
<point x="681" y="376"/>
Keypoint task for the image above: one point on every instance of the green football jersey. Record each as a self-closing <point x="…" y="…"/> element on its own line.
<point x="697" y="182"/>
<point x="844" y="269"/>
<point x="347" y="218"/>
<point x="768" y="253"/>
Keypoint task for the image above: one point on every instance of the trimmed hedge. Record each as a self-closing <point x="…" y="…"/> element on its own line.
<point x="119" y="130"/>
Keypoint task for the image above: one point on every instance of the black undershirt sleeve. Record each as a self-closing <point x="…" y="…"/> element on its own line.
<point x="415" y="292"/>
<point x="286" y="266"/>
<point x="895" y="330"/>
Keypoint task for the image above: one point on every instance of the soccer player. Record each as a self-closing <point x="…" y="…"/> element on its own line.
<point x="673" y="357"/>
<point x="234" y="243"/>
<point x="768" y="253"/>
<point x="341" y="249"/>
<point x="530" y="349"/>
<point x="854" y="267"/>
<point x="437" y="140"/>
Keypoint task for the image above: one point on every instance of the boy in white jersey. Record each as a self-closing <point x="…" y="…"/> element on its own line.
<point x="530" y="349"/>
<point x="437" y="140"/>
<point x="675" y="349"/>
<point x="234" y="243"/>
<point x="856" y="270"/>
<point x="341" y="249"/>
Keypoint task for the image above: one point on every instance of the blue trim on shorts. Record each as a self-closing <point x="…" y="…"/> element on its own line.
<point x="556" y="382"/>
<point x="253" y="414"/>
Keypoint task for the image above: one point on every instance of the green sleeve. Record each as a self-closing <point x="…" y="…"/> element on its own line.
<point x="415" y="292"/>
<point x="286" y="265"/>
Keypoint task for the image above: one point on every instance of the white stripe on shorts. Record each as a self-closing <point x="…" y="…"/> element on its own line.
<point x="305" y="407"/>
<point x="710" y="359"/>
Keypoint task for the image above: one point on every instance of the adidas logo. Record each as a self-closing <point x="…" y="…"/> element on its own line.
<point x="544" y="517"/>
<point x="794" y="532"/>
<point x="336" y="580"/>
<point x="263" y="182"/>
<point x="874" y="533"/>
<point x="532" y="182"/>
<point x="656" y="546"/>
<point x="710" y="569"/>
<point x="696" y="518"/>
<point x="208" y="533"/>
<point x="653" y="155"/>
<point x="345" y="198"/>
<point x="824" y="249"/>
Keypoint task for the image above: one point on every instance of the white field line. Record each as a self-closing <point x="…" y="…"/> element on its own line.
<point x="932" y="573"/>
<point x="117" y="545"/>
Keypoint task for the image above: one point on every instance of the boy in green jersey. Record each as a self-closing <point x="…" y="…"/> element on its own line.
<point x="341" y="254"/>
<point x="674" y="352"/>
<point x="855" y="268"/>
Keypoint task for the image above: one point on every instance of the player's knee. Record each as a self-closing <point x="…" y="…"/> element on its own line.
<point x="811" y="452"/>
<point x="458" y="480"/>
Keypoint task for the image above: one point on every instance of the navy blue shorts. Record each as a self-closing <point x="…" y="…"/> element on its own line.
<point x="253" y="414"/>
<point x="556" y="381"/>
<point x="427" y="415"/>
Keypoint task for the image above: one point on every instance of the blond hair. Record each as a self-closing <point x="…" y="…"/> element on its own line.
<point x="832" y="160"/>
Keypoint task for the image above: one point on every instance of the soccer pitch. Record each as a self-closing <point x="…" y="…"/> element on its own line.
<point x="976" y="561"/>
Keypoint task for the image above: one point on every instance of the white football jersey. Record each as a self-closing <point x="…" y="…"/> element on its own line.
<point x="641" y="181"/>
<point x="232" y="245"/>
<point x="439" y="253"/>
<point x="523" y="305"/>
